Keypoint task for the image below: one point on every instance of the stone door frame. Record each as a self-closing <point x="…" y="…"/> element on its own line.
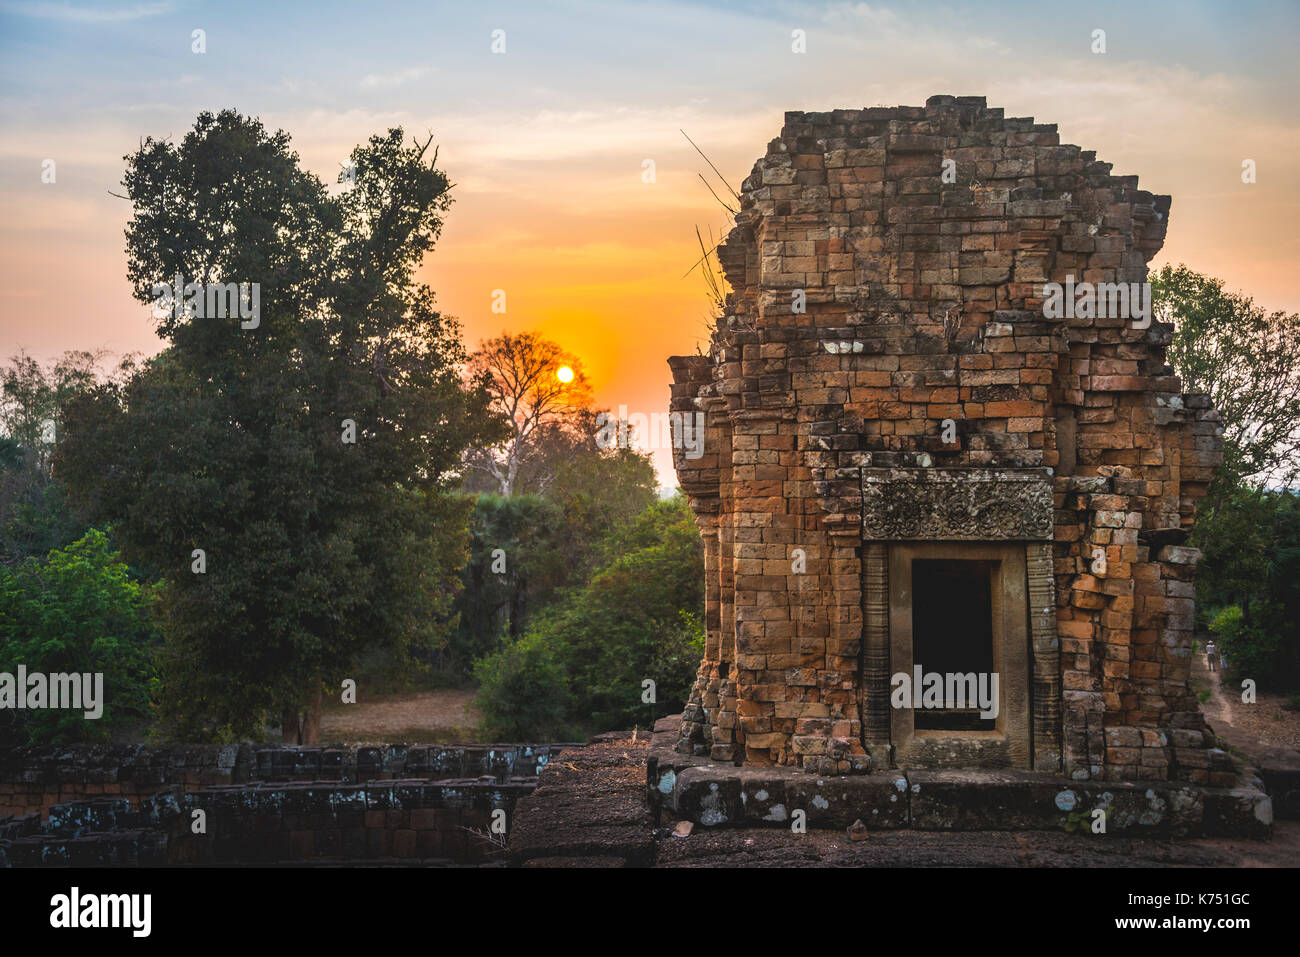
<point x="964" y="508"/>
<point x="1008" y="745"/>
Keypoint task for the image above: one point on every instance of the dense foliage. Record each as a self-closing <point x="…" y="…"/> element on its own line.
<point x="1244" y="357"/>
<point x="1248" y="526"/>
<point x="583" y="664"/>
<point x="235" y="440"/>
<point x="77" y="610"/>
<point x="515" y="564"/>
<point x="1248" y="584"/>
<point x="35" y="516"/>
<point x="568" y="495"/>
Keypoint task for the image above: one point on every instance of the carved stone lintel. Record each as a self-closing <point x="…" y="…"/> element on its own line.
<point x="984" y="505"/>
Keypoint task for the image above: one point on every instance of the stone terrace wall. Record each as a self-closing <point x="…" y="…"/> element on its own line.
<point x="924" y="302"/>
<point x="32" y="780"/>
<point x="271" y="823"/>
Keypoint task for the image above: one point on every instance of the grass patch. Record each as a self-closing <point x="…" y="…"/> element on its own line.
<point x="440" y="736"/>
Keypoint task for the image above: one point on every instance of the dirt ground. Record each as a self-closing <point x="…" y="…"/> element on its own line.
<point x="445" y="716"/>
<point x="1265" y="720"/>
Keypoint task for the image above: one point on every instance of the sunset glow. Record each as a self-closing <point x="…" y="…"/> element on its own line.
<point x="552" y="202"/>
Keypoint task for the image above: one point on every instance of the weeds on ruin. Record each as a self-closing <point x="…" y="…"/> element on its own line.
<point x="708" y="263"/>
<point x="498" y="841"/>
<point x="1081" y="822"/>
<point x="712" y="271"/>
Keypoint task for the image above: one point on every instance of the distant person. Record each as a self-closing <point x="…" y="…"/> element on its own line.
<point x="1212" y="656"/>
<point x="1223" y="661"/>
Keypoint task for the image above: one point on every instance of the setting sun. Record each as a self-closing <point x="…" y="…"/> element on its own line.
<point x="564" y="374"/>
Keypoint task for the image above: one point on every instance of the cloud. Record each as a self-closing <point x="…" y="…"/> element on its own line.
<point x="67" y="13"/>
<point x="387" y="81"/>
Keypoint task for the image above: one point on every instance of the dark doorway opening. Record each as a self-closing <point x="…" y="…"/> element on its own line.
<point x="952" y="633"/>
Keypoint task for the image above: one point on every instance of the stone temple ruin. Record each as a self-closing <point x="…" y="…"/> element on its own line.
<point x="917" y="462"/>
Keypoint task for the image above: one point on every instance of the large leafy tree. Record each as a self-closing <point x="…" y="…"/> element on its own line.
<point x="1244" y="357"/>
<point x="234" y="441"/>
<point x="548" y="410"/>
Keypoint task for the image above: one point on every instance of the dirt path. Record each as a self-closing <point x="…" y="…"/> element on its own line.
<point x="1218" y="710"/>
<point x="1265" y="720"/>
<point x="445" y="716"/>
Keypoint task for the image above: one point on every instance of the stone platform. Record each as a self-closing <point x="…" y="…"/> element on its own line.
<point x="713" y="795"/>
<point x="591" y="810"/>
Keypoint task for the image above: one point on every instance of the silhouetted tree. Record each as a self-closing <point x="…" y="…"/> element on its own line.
<point x="235" y="440"/>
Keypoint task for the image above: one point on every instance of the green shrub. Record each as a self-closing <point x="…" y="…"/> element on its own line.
<point x="523" y="692"/>
<point x="637" y="618"/>
<point x="77" y="610"/>
<point x="1225" y="621"/>
<point x="1251" y="648"/>
<point x="1248" y="582"/>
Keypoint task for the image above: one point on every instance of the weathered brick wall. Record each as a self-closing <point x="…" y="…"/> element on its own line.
<point x="923" y="301"/>
<point x="34" y="779"/>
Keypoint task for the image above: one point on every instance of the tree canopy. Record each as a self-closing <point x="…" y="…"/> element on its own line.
<point x="289" y="478"/>
<point x="548" y="416"/>
<point x="1244" y="357"/>
<point x="1248" y="527"/>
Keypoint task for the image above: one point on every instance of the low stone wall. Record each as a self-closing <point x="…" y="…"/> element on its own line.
<point x="32" y="780"/>
<point x="449" y="822"/>
<point x="712" y="794"/>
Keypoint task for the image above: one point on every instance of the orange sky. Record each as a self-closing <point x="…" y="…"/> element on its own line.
<point x="546" y="143"/>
